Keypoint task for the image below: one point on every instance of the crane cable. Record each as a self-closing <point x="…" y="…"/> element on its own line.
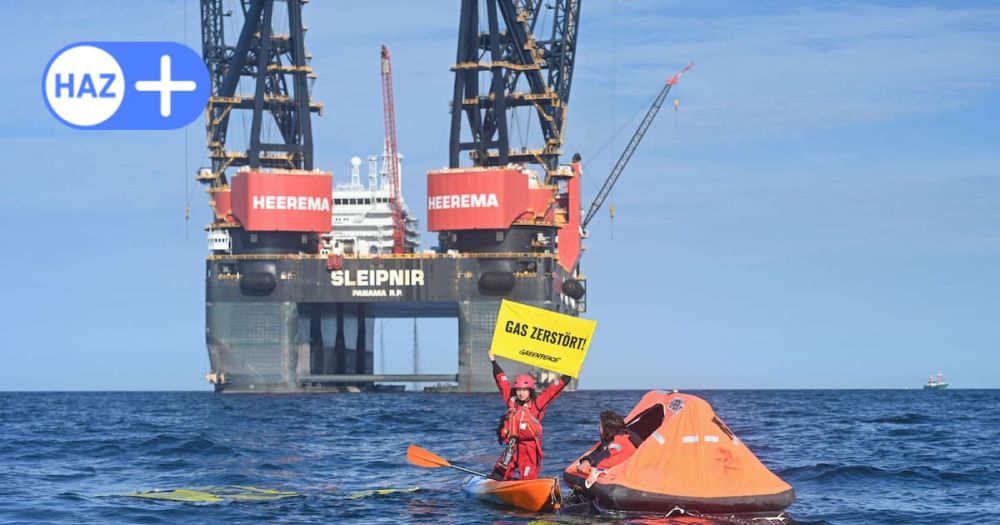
<point x="641" y="109"/>
<point x="614" y="97"/>
<point x="187" y="175"/>
<point x="632" y="145"/>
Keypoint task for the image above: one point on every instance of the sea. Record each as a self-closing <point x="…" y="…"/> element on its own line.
<point x="852" y="456"/>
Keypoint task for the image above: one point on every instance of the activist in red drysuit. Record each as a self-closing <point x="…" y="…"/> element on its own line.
<point x="520" y="431"/>
<point x="618" y="443"/>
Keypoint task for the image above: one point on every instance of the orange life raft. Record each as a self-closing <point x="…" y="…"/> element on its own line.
<point x="689" y="459"/>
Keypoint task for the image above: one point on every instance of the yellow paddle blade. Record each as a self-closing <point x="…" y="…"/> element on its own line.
<point x="424" y="458"/>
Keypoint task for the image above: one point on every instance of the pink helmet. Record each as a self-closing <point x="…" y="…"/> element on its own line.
<point x="524" y="381"/>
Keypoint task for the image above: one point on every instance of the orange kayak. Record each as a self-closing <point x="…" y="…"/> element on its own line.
<point x="533" y="494"/>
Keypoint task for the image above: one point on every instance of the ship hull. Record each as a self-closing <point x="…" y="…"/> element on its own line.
<point x="290" y="324"/>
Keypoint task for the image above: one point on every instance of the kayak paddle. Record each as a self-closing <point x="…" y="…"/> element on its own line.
<point x="425" y="458"/>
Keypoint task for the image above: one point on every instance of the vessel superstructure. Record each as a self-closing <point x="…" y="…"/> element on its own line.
<point x="936" y="383"/>
<point x="362" y="216"/>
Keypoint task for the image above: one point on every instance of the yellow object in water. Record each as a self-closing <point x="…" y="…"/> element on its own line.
<point x="381" y="492"/>
<point x="215" y="494"/>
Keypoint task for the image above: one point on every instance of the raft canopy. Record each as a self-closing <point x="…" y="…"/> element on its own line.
<point x="688" y="457"/>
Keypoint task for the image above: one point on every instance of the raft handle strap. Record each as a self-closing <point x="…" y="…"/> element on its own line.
<point x="678" y="510"/>
<point x="554" y="495"/>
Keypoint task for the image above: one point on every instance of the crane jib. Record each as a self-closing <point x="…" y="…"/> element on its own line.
<point x="631" y="147"/>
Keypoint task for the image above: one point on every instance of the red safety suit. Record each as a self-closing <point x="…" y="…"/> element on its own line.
<point x="525" y="454"/>
<point x="607" y="455"/>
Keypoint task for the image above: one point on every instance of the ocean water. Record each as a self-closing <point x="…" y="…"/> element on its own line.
<point x="853" y="457"/>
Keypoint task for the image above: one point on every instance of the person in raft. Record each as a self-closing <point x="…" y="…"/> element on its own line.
<point x="618" y="443"/>
<point x="520" y="430"/>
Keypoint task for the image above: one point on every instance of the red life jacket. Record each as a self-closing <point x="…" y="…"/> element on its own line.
<point x="520" y="422"/>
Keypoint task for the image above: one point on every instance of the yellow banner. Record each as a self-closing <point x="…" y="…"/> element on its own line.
<point x="538" y="337"/>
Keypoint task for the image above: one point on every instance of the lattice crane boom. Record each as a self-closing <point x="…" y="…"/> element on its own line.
<point x="392" y="155"/>
<point x="633" y="143"/>
<point x="276" y="66"/>
<point x="513" y="62"/>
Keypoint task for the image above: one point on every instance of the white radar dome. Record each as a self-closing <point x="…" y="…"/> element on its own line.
<point x="355" y="161"/>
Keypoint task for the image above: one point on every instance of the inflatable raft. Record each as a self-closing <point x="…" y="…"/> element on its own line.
<point x="533" y="494"/>
<point x="689" y="459"/>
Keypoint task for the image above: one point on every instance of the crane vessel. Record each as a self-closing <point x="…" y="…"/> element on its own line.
<point x="300" y="270"/>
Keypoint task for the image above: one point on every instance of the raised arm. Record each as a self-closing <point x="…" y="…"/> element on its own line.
<point x="551" y="392"/>
<point x="503" y="383"/>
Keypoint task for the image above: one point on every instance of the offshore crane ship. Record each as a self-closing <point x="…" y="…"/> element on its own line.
<point x="293" y="292"/>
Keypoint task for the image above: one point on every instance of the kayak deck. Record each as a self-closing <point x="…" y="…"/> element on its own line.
<point x="533" y="494"/>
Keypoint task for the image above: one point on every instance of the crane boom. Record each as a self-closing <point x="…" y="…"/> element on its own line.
<point x="507" y="60"/>
<point x="392" y="155"/>
<point x="277" y="69"/>
<point x="632" y="145"/>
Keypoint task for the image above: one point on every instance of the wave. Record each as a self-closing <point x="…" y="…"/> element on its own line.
<point x="901" y="419"/>
<point x="831" y="472"/>
<point x="169" y="446"/>
<point x="910" y="460"/>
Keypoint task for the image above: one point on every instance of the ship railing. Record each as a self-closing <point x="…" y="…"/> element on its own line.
<point x="309" y="256"/>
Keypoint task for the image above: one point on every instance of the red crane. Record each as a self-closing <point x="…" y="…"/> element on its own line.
<point x="392" y="154"/>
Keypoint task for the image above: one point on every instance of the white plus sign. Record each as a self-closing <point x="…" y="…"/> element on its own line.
<point x="165" y="86"/>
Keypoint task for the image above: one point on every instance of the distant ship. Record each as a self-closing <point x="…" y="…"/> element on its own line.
<point x="936" y="383"/>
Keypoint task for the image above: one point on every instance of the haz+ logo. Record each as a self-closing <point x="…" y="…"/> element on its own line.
<point x="126" y="85"/>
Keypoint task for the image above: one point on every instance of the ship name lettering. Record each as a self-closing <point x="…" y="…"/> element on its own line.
<point x="463" y="200"/>
<point x="369" y="292"/>
<point x="290" y="202"/>
<point x="377" y="277"/>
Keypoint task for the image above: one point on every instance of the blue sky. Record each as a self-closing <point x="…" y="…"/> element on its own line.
<point x="822" y="212"/>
